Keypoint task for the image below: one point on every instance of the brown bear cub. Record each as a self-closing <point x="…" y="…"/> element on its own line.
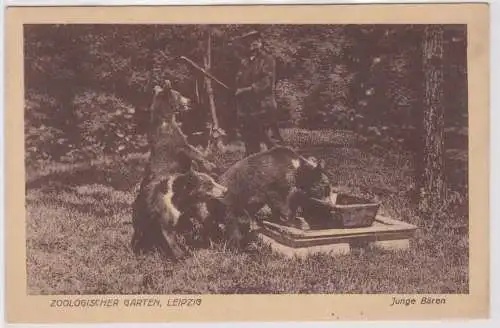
<point x="165" y="135"/>
<point x="279" y="178"/>
<point x="174" y="206"/>
<point x="171" y="186"/>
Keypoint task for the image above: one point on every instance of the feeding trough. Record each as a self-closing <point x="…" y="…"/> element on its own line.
<point x="340" y="210"/>
<point x="337" y="225"/>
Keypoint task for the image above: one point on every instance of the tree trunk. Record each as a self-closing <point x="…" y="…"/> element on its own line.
<point x="432" y="179"/>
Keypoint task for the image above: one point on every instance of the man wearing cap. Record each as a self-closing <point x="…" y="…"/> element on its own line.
<point x="256" y="103"/>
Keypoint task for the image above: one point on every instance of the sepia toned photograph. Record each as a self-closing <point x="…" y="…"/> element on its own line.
<point x="237" y="158"/>
<point x="181" y="158"/>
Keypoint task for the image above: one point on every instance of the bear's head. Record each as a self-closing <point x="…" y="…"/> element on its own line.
<point x="167" y="101"/>
<point x="311" y="178"/>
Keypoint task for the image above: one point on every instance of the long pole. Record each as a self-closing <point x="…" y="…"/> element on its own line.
<point x="205" y="72"/>
<point x="208" y="81"/>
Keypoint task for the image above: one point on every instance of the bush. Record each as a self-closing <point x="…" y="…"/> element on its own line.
<point x="44" y="141"/>
<point x="106" y="126"/>
<point x="290" y="102"/>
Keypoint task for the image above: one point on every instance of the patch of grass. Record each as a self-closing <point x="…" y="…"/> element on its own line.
<point x="321" y="137"/>
<point x="78" y="234"/>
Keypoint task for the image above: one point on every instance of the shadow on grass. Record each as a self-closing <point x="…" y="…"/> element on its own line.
<point x="97" y="209"/>
<point x="121" y="175"/>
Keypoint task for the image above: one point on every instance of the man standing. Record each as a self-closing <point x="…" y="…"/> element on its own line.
<point x="255" y="95"/>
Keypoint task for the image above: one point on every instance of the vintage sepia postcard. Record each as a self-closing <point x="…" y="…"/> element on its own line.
<point x="247" y="163"/>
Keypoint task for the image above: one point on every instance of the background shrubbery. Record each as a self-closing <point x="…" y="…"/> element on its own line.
<point x="88" y="86"/>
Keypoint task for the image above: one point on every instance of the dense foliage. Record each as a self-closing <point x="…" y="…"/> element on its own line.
<point x="88" y="87"/>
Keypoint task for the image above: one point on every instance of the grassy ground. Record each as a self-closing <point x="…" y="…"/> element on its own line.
<point x="78" y="233"/>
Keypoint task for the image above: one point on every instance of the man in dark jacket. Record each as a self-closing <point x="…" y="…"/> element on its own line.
<point x="255" y="95"/>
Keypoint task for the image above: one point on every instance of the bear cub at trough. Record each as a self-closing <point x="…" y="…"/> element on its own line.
<point x="279" y="178"/>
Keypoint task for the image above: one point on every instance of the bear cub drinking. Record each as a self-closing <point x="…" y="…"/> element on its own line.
<point x="279" y="178"/>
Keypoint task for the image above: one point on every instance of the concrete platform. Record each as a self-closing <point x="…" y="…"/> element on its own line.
<point x="385" y="233"/>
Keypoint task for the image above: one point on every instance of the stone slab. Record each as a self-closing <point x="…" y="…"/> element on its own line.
<point x="385" y="233"/>
<point x="393" y="245"/>
<point x="302" y="252"/>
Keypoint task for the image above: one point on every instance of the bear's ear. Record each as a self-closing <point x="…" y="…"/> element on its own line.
<point x="194" y="167"/>
<point x="184" y="161"/>
<point x="321" y="164"/>
<point x="157" y="89"/>
<point x="183" y="184"/>
<point x="168" y="85"/>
